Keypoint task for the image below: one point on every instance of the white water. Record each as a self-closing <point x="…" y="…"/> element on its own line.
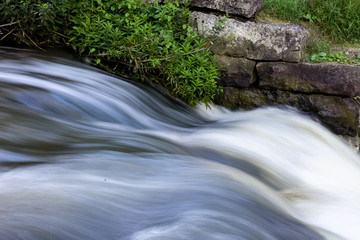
<point x="85" y="155"/>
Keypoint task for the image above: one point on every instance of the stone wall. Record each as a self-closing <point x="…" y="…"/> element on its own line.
<point x="262" y="66"/>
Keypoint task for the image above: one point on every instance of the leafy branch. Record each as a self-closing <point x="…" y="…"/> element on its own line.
<point x="174" y="56"/>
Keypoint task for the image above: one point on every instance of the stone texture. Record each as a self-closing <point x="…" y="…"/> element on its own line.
<point x="243" y="98"/>
<point x="338" y="114"/>
<point x="353" y="142"/>
<point x="236" y="72"/>
<point x="329" y="78"/>
<point x="255" y="41"/>
<point x="243" y="8"/>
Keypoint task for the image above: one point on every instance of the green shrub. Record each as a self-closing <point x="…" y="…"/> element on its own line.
<point x="34" y="22"/>
<point x="154" y="41"/>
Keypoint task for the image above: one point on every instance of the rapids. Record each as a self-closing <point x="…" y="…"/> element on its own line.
<point x="87" y="155"/>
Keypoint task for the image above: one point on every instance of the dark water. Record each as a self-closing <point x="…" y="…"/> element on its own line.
<point x="86" y="155"/>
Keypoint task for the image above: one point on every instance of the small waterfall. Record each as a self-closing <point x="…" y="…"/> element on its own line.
<point x="86" y="155"/>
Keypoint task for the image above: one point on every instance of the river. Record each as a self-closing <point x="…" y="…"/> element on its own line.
<point x="87" y="155"/>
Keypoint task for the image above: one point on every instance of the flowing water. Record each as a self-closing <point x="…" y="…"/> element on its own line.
<point x="86" y="155"/>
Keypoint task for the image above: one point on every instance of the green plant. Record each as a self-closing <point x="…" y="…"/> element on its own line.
<point x="337" y="57"/>
<point x="311" y="18"/>
<point x="154" y="41"/>
<point x="334" y="57"/>
<point x="316" y="51"/>
<point x="318" y="57"/>
<point x="34" y="23"/>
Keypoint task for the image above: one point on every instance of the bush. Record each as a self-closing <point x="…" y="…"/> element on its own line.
<point x="154" y="41"/>
<point x="34" y="22"/>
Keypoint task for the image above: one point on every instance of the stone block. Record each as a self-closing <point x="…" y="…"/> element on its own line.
<point x="236" y="72"/>
<point x="326" y="78"/>
<point x="243" y="8"/>
<point x="245" y="98"/>
<point x="254" y="41"/>
<point x="339" y="115"/>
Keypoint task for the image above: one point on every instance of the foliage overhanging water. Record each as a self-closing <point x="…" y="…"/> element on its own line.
<point x="85" y="155"/>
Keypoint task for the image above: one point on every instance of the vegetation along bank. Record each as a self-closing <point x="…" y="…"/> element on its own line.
<point x="150" y="42"/>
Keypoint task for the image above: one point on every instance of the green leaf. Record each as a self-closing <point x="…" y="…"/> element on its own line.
<point x="72" y="39"/>
<point x="322" y="54"/>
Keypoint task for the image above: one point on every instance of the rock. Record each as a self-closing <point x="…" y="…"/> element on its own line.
<point x="353" y="142"/>
<point x="236" y="72"/>
<point x="246" y="99"/>
<point x="243" y="8"/>
<point x="340" y="115"/>
<point x="328" y="78"/>
<point x="255" y="41"/>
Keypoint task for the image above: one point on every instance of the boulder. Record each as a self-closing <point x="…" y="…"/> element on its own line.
<point x="251" y="40"/>
<point x="327" y="78"/>
<point x="340" y="115"/>
<point x="236" y="72"/>
<point x="243" y="8"/>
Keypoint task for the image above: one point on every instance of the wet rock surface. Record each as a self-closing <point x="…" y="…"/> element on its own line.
<point x="340" y="115"/>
